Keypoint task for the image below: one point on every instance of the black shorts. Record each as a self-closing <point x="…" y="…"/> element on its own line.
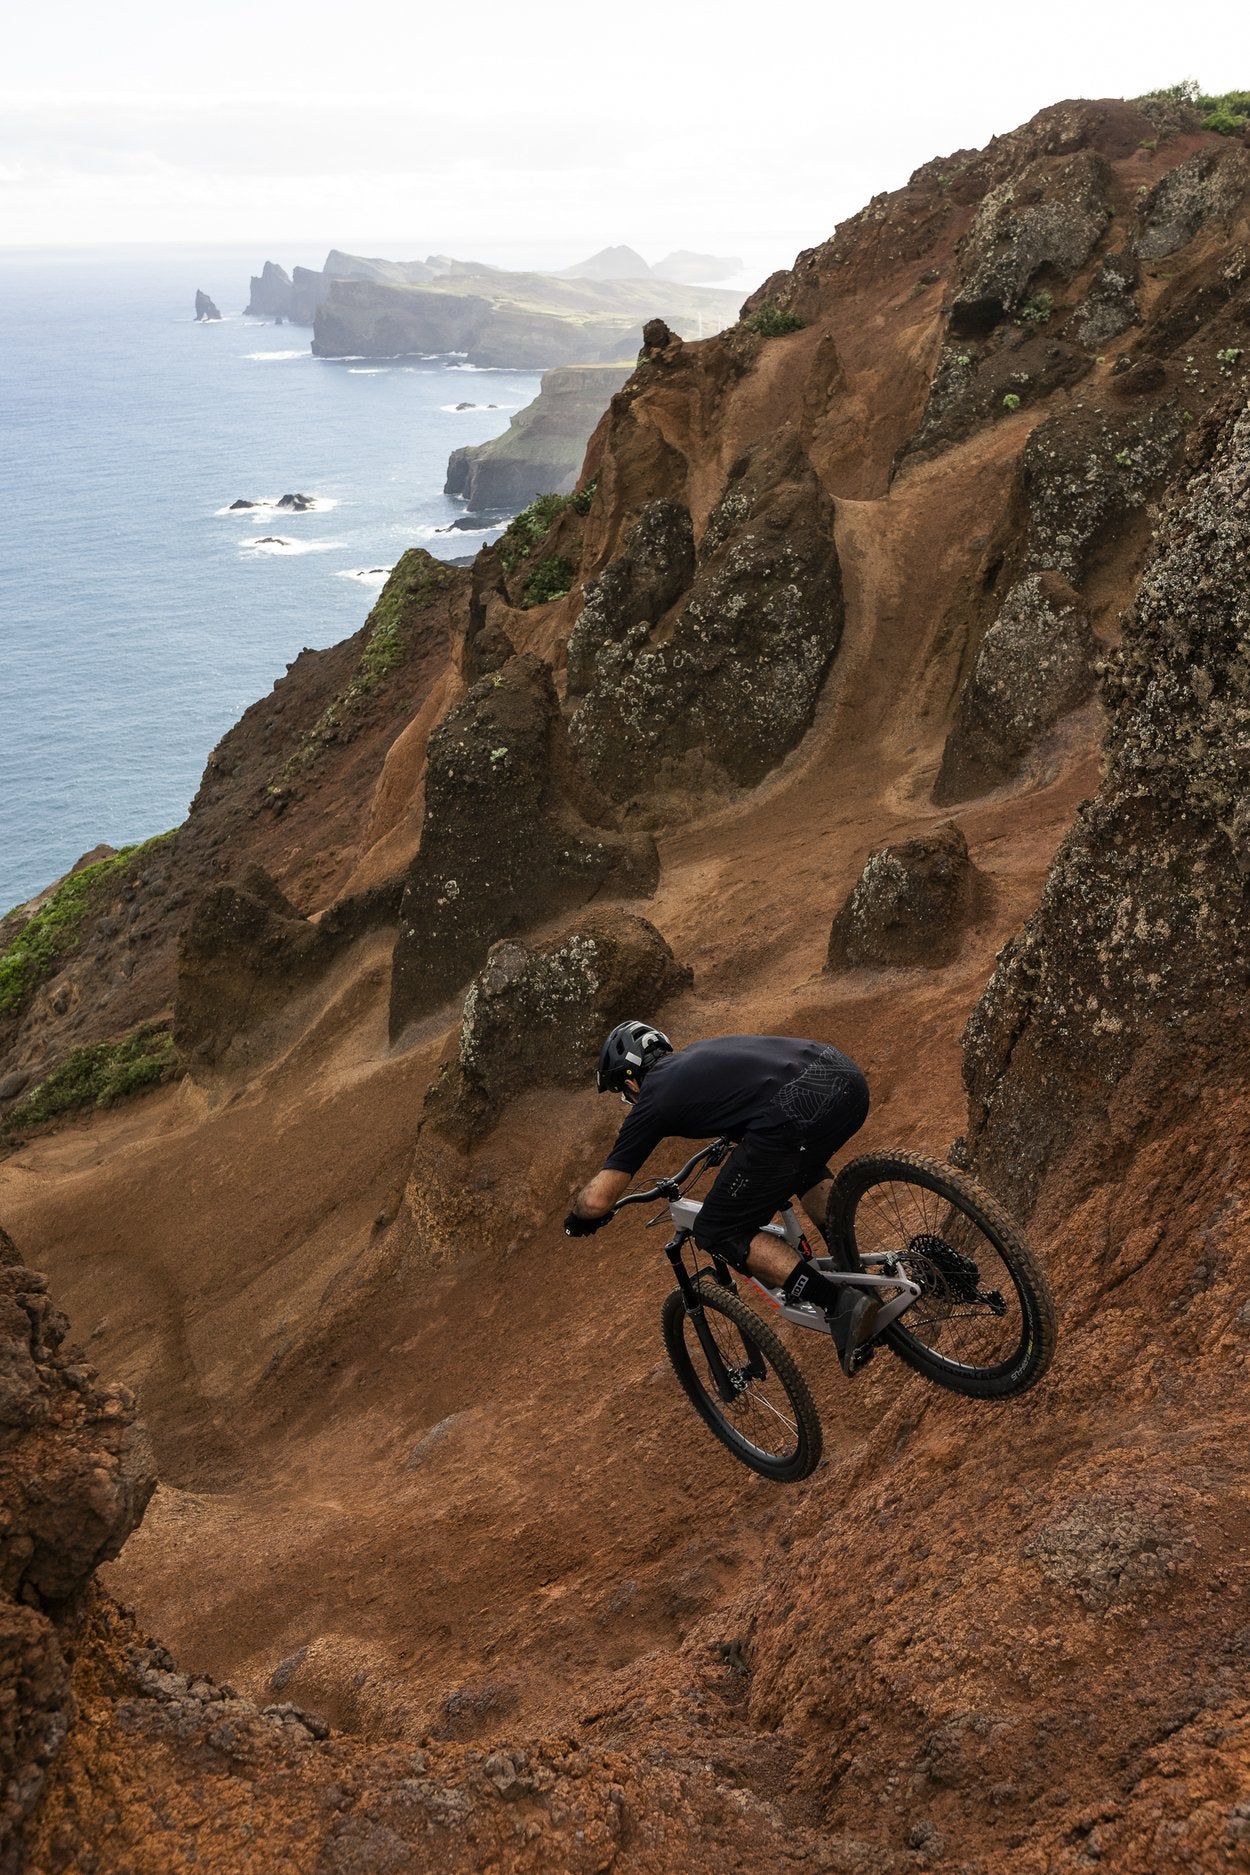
<point x="786" y="1154"/>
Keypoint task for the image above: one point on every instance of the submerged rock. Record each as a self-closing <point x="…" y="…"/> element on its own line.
<point x="910" y="905"/>
<point x="1036" y="662"/>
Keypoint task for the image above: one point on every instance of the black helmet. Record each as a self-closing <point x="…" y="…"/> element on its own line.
<point x="632" y="1048"/>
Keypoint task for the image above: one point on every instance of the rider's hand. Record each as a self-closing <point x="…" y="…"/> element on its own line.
<point x="577" y="1226"/>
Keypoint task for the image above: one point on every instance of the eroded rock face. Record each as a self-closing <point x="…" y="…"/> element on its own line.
<point x="910" y="905"/>
<point x="537" y="1017"/>
<point x="719" y="689"/>
<point x="1082" y="472"/>
<point x="246" y="951"/>
<point x="1110" y="306"/>
<point x="1142" y="937"/>
<point x="1036" y="662"/>
<point x="1206" y="187"/>
<point x="75" y="1479"/>
<point x="504" y="842"/>
<point x="636" y="590"/>
<point x="1047" y="219"/>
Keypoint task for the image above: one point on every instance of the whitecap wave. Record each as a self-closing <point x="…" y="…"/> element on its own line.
<point x="448" y="533"/>
<point x="467" y="410"/>
<point x="277" y="544"/>
<point x="365" y="371"/>
<point x="270" y="357"/>
<point x="365" y="575"/>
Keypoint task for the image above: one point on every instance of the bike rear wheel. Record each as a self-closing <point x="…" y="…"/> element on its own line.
<point x="771" y="1424"/>
<point x="985" y="1321"/>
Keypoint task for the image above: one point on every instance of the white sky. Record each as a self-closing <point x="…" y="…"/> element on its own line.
<point x="537" y="129"/>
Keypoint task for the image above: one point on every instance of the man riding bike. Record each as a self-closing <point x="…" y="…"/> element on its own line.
<point x="788" y="1105"/>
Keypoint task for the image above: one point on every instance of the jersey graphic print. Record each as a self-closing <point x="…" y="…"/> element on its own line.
<point x="823" y="1086"/>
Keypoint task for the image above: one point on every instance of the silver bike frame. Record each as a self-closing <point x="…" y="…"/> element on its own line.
<point x="684" y="1211"/>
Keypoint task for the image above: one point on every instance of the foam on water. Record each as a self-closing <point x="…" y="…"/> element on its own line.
<point x="279" y="545"/>
<point x="365" y="575"/>
<point x="272" y="357"/>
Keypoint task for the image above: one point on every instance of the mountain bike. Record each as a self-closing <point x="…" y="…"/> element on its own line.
<point x="961" y="1298"/>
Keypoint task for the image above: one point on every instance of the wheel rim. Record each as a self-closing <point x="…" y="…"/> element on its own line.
<point x="760" y="1416"/>
<point x="971" y="1312"/>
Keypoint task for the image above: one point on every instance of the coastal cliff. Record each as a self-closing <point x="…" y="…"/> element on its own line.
<point x="542" y="449"/>
<point x="939" y="552"/>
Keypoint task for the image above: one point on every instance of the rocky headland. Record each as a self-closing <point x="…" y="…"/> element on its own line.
<point x="883" y="677"/>
<point x="542" y="450"/>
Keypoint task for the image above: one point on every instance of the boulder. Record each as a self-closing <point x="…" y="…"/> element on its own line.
<point x="910" y="905"/>
<point x="1047" y="221"/>
<point x="1082" y="472"/>
<point x="536" y="1016"/>
<point x="1036" y="662"/>
<point x="505" y="841"/>
<point x="714" y="690"/>
<point x="1110" y="306"/>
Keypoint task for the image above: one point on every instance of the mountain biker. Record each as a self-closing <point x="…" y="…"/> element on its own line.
<point x="788" y="1105"/>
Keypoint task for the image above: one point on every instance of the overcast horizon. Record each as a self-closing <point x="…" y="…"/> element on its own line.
<point x="543" y="132"/>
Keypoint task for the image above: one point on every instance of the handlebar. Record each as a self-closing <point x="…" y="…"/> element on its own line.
<point x="669" y="1188"/>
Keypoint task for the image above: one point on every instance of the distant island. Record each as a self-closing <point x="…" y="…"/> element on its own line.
<point x="592" y="313"/>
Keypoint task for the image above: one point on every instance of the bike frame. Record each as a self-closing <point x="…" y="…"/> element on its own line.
<point x="875" y="1276"/>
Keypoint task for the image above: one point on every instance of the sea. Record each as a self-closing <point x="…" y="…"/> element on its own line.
<point x="139" y="615"/>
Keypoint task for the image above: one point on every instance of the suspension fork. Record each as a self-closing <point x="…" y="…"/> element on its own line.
<point x="694" y="1309"/>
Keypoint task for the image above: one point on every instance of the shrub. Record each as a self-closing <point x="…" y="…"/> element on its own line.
<point x="98" y="1076"/>
<point x="1035" y="310"/>
<point x="772" y="321"/>
<point x="551" y="579"/>
<point x="525" y="530"/>
<point x="1228" y="114"/>
<point x="580" y="502"/>
<point x="1011" y="401"/>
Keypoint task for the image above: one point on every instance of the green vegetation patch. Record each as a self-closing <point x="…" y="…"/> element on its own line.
<point x="551" y="578"/>
<point x="98" y="1076"/>
<point x="1228" y="114"/>
<point x="772" y="321"/>
<point x="525" y="530"/>
<point x="417" y="579"/>
<point x="54" y="929"/>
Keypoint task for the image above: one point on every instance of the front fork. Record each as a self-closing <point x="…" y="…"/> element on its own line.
<point x="707" y="1340"/>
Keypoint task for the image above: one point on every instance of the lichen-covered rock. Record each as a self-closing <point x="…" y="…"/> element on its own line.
<point x="1142" y="937"/>
<point x="719" y="690"/>
<point x="1110" y="306"/>
<point x="636" y="589"/>
<point x="1082" y="472"/>
<point x="1050" y="217"/>
<point x="1206" y="187"/>
<point x="537" y="1017"/>
<point x="504" y="842"/>
<point x="246" y="951"/>
<point x="75" y="1478"/>
<point x="1036" y="662"/>
<point x="975" y="375"/>
<point x="910" y="905"/>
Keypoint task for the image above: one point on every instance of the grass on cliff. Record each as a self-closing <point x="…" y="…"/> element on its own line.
<point x="525" y="530"/>
<point x="97" y="1076"/>
<point x="55" y="927"/>
<point x="772" y="321"/>
<point x="416" y="579"/>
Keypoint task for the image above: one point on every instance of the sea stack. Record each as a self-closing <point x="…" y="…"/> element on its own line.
<point x="204" y="307"/>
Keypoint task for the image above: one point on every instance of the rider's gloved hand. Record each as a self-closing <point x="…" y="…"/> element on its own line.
<point x="578" y="1226"/>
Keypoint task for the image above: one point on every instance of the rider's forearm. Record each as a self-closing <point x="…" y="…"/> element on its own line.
<point x="598" y="1197"/>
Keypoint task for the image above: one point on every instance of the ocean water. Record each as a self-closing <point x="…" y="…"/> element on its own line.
<point x="137" y="619"/>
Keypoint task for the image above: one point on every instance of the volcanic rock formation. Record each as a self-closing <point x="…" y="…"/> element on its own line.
<point x="867" y="544"/>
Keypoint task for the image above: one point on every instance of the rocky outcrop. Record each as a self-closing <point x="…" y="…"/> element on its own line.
<point x="542" y="449"/>
<point x="536" y="1016"/>
<point x="204" y="307"/>
<point x="1083" y="472"/>
<point x="1110" y="306"/>
<point x="246" y="952"/>
<point x="1047" y="219"/>
<point x="1208" y="187"/>
<point x="75" y="1478"/>
<point x="718" y="684"/>
<point x="1036" y="662"/>
<point x="505" y="843"/>
<point x="1140" y="947"/>
<point x="912" y="904"/>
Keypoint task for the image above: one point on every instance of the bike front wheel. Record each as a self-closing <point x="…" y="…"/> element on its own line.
<point x="771" y="1423"/>
<point x="985" y="1321"/>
